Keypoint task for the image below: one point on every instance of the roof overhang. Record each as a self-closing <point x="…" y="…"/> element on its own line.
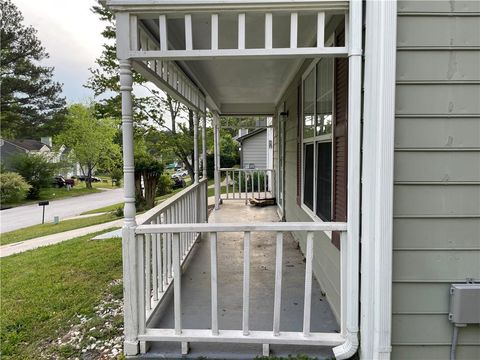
<point x="237" y="57"/>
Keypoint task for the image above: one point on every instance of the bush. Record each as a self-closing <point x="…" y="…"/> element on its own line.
<point x="258" y="180"/>
<point x="164" y="185"/>
<point x="119" y="211"/>
<point x="36" y="170"/>
<point x="225" y="162"/>
<point x="13" y="187"/>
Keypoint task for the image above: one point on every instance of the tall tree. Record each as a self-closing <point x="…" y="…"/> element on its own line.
<point x="174" y="133"/>
<point x="31" y="102"/>
<point x="90" y="138"/>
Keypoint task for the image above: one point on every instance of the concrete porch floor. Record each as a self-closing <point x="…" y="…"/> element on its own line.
<point x="196" y="311"/>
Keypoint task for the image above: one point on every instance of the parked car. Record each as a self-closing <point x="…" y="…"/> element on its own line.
<point x="84" y="178"/>
<point x="58" y="182"/>
<point x="180" y="172"/>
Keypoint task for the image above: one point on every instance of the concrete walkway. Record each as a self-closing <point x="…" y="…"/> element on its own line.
<point x="22" y="246"/>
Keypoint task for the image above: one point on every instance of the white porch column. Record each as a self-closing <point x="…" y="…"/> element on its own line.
<point x="204" y="145"/>
<point x="129" y="246"/>
<point x="216" y="140"/>
<point x="350" y="248"/>
<point x="195" y="146"/>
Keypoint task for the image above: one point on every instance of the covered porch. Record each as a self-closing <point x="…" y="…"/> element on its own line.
<point x="244" y="281"/>
<point x="196" y="291"/>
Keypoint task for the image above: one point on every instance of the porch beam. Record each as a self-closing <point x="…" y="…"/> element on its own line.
<point x="241" y="52"/>
<point x="172" y="6"/>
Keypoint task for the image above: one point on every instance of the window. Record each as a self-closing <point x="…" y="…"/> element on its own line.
<point x="317" y="139"/>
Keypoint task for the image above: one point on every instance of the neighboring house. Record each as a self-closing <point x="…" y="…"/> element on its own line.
<point x="256" y="149"/>
<point x="377" y="166"/>
<point x="10" y="148"/>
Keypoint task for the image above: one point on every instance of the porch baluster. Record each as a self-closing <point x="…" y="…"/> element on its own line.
<point x="177" y="284"/>
<point x="278" y="285"/>
<point x="308" y="285"/>
<point x="213" y="272"/>
<point x="155" y="263"/>
<point x="246" y="282"/>
<point x="141" y="284"/>
<point x="148" y="280"/>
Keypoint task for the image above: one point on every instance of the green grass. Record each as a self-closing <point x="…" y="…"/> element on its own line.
<point x="79" y="189"/>
<point x="44" y="290"/>
<point x="50" y="228"/>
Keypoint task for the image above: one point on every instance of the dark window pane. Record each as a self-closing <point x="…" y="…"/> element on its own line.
<point x="308" y="176"/>
<point x="324" y="180"/>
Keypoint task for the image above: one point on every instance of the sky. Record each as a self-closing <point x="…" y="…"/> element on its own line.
<point x="71" y="34"/>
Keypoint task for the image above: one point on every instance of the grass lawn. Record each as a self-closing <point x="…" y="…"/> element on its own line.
<point x="43" y="292"/>
<point x="50" y="228"/>
<point x="79" y="189"/>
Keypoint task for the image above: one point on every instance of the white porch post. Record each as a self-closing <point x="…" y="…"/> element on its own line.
<point x="350" y="248"/>
<point x="204" y="145"/>
<point x="129" y="246"/>
<point x="195" y="146"/>
<point x="216" y="140"/>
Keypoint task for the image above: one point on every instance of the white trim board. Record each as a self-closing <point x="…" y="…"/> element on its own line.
<point x="377" y="194"/>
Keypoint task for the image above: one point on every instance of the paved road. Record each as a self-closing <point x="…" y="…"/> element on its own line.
<point x="22" y="216"/>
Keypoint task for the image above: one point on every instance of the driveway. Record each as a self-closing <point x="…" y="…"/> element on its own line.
<point x="23" y="216"/>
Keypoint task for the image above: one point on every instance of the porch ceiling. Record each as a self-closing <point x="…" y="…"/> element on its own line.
<point x="243" y="86"/>
<point x="247" y="86"/>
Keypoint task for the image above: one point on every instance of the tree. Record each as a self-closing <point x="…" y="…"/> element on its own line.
<point x="30" y="103"/>
<point x="152" y="109"/>
<point x="90" y="138"/>
<point x="13" y="187"/>
<point x="37" y="170"/>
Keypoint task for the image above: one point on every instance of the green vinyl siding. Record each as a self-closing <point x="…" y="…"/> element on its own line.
<point x="436" y="230"/>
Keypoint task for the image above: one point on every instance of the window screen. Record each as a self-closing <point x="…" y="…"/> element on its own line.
<point x="324" y="180"/>
<point x="308" y="172"/>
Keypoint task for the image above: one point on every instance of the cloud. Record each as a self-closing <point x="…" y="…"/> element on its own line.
<point x="71" y="34"/>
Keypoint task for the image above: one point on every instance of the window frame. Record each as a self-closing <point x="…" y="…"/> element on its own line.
<point x="323" y="138"/>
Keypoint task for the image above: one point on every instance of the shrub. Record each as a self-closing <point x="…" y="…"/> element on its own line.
<point x="13" y="187"/>
<point x="164" y="185"/>
<point x="258" y="180"/>
<point x="36" y="170"/>
<point x="119" y="211"/>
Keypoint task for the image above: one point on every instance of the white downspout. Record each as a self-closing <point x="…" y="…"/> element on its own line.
<point x="351" y="247"/>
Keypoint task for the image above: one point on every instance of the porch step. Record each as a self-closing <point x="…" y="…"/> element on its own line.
<point x="167" y="350"/>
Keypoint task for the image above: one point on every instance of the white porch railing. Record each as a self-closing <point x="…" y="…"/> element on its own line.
<point x="242" y="184"/>
<point x="159" y="253"/>
<point x="174" y="233"/>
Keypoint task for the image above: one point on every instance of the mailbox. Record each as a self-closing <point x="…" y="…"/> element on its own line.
<point x="43" y="203"/>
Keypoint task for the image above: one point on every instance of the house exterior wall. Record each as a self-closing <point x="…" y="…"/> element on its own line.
<point x="326" y="257"/>
<point x="254" y="151"/>
<point x="436" y="234"/>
